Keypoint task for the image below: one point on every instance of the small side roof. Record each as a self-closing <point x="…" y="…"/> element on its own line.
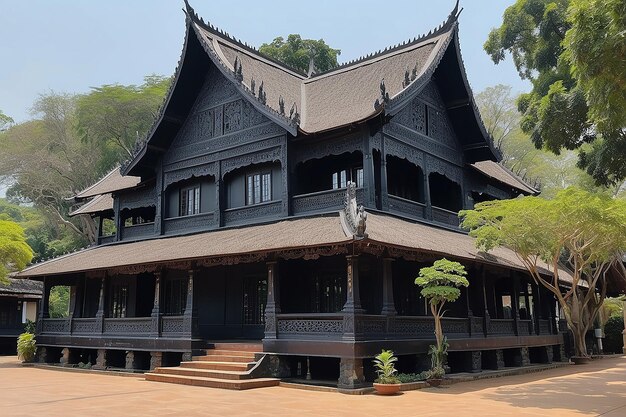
<point x="500" y="173"/>
<point x="97" y="204"/>
<point x="113" y="181"/>
<point x="22" y="287"/>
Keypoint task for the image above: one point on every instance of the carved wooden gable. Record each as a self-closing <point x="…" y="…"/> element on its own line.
<point x="427" y="115"/>
<point x="219" y="112"/>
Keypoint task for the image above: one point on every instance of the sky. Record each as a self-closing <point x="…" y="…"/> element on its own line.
<point x="71" y="45"/>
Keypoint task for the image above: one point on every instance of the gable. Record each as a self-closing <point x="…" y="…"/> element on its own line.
<point x="426" y="114"/>
<point x="218" y="119"/>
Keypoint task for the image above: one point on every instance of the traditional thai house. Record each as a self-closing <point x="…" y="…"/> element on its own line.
<point x="237" y="219"/>
<point x="18" y="304"/>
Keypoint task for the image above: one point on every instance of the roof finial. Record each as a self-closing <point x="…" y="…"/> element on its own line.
<point x="311" y="70"/>
<point x="189" y="9"/>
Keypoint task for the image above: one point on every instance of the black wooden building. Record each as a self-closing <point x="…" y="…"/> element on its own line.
<point x="236" y="221"/>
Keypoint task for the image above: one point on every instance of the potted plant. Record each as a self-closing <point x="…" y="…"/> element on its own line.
<point x="26" y="347"/>
<point x="387" y="382"/>
<point x="434" y="376"/>
<point x="440" y="283"/>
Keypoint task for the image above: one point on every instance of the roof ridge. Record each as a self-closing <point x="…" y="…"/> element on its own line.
<point x="444" y="27"/>
<point x="191" y="13"/>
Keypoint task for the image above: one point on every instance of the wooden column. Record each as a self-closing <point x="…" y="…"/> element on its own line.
<point x="100" y="313"/>
<point x="189" y="315"/>
<point x="389" y="306"/>
<point x="219" y="195"/>
<point x="273" y="301"/>
<point x="44" y="303"/>
<point x="384" y="193"/>
<point x="536" y="308"/>
<point x="529" y="312"/>
<point x="515" y="302"/>
<point x="368" y="174"/>
<point x="429" y="204"/>
<point x="486" y="318"/>
<point x="156" y="306"/>
<point x="352" y="308"/>
<point x="159" y="214"/>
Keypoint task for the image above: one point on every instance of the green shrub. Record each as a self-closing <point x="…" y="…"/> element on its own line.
<point x="26" y="347"/>
<point x="613" y="341"/>
<point x="29" y="326"/>
<point x="407" y="378"/>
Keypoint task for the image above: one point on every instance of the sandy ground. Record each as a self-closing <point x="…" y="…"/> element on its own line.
<point x="595" y="389"/>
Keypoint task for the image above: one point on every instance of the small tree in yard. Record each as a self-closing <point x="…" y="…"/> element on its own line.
<point x="586" y="231"/>
<point x="440" y="283"/>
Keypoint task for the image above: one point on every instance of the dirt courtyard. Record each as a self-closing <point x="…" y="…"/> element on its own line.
<point x="591" y="390"/>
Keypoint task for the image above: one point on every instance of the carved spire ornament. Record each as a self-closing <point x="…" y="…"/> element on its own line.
<point x="353" y="216"/>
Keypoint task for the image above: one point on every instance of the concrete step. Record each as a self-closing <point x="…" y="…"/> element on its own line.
<point x="205" y="373"/>
<point x="238" y="346"/>
<point x="228" y="352"/>
<point x="218" y="366"/>
<point x="213" y="382"/>
<point x="225" y="358"/>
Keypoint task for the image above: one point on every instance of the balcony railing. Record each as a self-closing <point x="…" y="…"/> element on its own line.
<point x="186" y="223"/>
<point x="241" y="215"/>
<point x="444" y="216"/>
<point x="407" y="207"/>
<point x="322" y="200"/>
<point x="310" y="325"/>
<point x="106" y="239"/>
<point x="172" y="326"/>
<point x="138" y="231"/>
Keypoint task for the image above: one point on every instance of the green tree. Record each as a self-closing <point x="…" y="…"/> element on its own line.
<point x="573" y="52"/>
<point x="112" y="118"/>
<point x="440" y="283"/>
<point x="5" y="121"/>
<point x="59" y="301"/>
<point x="545" y="170"/>
<point x="298" y="53"/>
<point x="15" y="253"/>
<point x="588" y="230"/>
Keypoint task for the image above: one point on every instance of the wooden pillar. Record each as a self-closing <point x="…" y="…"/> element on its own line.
<point x="100" y="313"/>
<point x="470" y="313"/>
<point x="156" y="306"/>
<point x="515" y="302"/>
<point x="429" y="204"/>
<point x="486" y="318"/>
<point x="352" y="308"/>
<point x="219" y="196"/>
<point x="273" y="301"/>
<point x="159" y="215"/>
<point x="189" y="315"/>
<point x="537" y="308"/>
<point x="369" y="184"/>
<point x="389" y="306"/>
<point x="384" y="193"/>
<point x="529" y="312"/>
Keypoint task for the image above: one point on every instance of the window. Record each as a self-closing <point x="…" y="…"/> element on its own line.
<point x="175" y="297"/>
<point x="258" y="188"/>
<point x="189" y="201"/>
<point x="341" y="178"/>
<point x="119" y="300"/>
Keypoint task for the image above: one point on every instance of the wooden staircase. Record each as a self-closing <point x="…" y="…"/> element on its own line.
<point x="226" y="365"/>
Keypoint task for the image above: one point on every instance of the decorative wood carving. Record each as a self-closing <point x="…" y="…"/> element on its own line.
<point x="145" y="197"/>
<point x="172" y="177"/>
<point x="338" y="146"/>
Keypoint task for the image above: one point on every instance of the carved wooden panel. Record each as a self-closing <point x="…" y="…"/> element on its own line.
<point x="413" y="116"/>
<point x="187" y="173"/>
<point x="336" y="146"/>
<point x="195" y="222"/>
<point x="309" y="326"/>
<point x="403" y="150"/>
<point x="145" y="197"/>
<point x="128" y="326"/>
<point x="422" y="142"/>
<point x="241" y="215"/>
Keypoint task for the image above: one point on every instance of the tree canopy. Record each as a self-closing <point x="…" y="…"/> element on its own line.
<point x="5" y="121"/>
<point x="573" y="52"/>
<point x="440" y="283"/>
<point x="298" y="53"/>
<point x="15" y="253"/>
<point x="586" y="231"/>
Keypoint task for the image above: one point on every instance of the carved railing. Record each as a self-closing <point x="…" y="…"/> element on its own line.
<point x="172" y="325"/>
<point x="502" y="326"/>
<point x="128" y="326"/>
<point x="544" y="326"/>
<point x="445" y="216"/>
<point x="525" y="327"/>
<point x="106" y="239"/>
<point x="85" y="326"/>
<point x="257" y="211"/>
<point x="409" y="207"/>
<point x="309" y="325"/>
<point x="477" y="324"/>
<point x="138" y="231"/>
<point x="322" y="200"/>
<point x="56" y="326"/>
<point x="196" y="221"/>
<point x="563" y="326"/>
<point x="413" y="326"/>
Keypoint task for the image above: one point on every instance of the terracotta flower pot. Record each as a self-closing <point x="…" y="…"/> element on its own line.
<point x="434" y="382"/>
<point x="387" y="389"/>
<point x="581" y="360"/>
